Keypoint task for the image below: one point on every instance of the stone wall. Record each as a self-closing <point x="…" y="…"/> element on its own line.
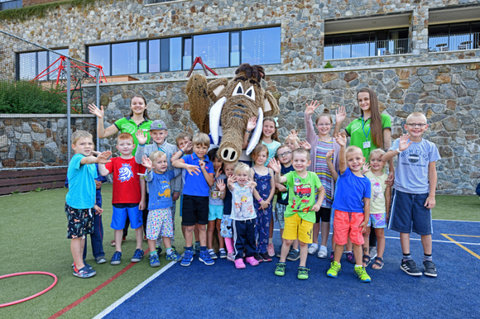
<point x="36" y="140"/>
<point x="448" y="94"/>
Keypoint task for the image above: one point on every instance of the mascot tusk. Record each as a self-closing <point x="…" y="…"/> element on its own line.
<point x="215" y="113"/>
<point x="257" y="133"/>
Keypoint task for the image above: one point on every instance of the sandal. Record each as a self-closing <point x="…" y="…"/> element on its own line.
<point x="378" y="262"/>
<point x="366" y="260"/>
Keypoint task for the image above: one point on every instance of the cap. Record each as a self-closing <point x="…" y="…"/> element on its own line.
<point x="158" y="125"/>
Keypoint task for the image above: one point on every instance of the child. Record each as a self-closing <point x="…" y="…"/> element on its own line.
<point x="226" y="223"/>
<point x="284" y="154"/>
<point x="300" y="212"/>
<point x="243" y="215"/>
<point x="215" y="206"/>
<point x="263" y="195"/>
<point x="195" y="195"/>
<point x="323" y="146"/>
<point x="159" y="134"/>
<point x="128" y="195"/>
<point x="379" y="208"/>
<point x="269" y="137"/>
<point x="351" y="206"/>
<point x="414" y="197"/>
<point x="80" y="199"/>
<point x="160" y="221"/>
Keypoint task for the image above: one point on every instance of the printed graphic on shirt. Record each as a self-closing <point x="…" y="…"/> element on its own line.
<point x="164" y="189"/>
<point x="125" y="173"/>
<point x="377" y="191"/>
<point x="303" y="192"/>
<point x="414" y="157"/>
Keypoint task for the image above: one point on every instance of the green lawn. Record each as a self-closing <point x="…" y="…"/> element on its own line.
<point x="33" y="237"/>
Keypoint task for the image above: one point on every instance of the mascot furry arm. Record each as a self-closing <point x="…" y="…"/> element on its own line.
<point x="235" y="101"/>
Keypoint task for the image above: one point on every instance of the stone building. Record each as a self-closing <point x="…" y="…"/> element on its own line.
<point x="417" y="55"/>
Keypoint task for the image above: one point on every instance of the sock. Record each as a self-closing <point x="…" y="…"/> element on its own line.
<point x="153" y="253"/>
<point x="270" y="240"/>
<point x="169" y="250"/>
<point x="221" y="250"/>
<point x="203" y="248"/>
<point x="347" y="251"/>
<point x="407" y="257"/>
<point x="427" y="257"/>
<point x="229" y="245"/>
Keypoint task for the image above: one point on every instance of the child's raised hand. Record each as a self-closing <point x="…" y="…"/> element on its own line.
<point x="192" y="169"/>
<point x="365" y="168"/>
<point x="220" y="185"/>
<point x="304" y="144"/>
<point x="312" y="107"/>
<point x="218" y="172"/>
<point x="93" y="109"/>
<point x="275" y="165"/>
<point x="252" y="123"/>
<point x="341" y="139"/>
<point x="188" y="147"/>
<point x="252" y="184"/>
<point x="340" y="115"/>
<point x="329" y="155"/>
<point x="102" y="158"/>
<point x="146" y="162"/>
<point x="141" y="137"/>
<point x="403" y="142"/>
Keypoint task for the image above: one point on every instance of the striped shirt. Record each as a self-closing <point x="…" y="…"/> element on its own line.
<point x="322" y="171"/>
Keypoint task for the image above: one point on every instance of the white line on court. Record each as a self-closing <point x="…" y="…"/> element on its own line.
<point x="117" y="303"/>
<point x="459" y="221"/>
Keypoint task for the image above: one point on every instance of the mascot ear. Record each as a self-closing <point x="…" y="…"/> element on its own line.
<point x="270" y="106"/>
<point x="215" y="88"/>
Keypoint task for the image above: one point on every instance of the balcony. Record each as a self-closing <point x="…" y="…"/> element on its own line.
<point x="366" y="49"/>
<point x="454" y="42"/>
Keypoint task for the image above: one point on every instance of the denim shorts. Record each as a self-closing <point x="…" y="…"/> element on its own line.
<point x="409" y="214"/>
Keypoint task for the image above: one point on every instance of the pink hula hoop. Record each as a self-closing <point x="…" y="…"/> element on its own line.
<point x="32" y="296"/>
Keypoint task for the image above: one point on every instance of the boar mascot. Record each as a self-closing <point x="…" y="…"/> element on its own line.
<point x="234" y="102"/>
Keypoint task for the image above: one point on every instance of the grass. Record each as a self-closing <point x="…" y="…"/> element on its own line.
<point x="33" y="237"/>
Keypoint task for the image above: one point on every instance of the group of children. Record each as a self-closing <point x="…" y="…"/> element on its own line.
<point x="313" y="180"/>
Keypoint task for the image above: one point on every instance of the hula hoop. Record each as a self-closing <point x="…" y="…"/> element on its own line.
<point x="32" y="296"/>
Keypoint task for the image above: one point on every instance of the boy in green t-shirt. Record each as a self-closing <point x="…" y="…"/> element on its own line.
<point x="301" y="208"/>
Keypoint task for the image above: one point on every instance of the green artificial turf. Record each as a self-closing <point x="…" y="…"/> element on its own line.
<point x="33" y="238"/>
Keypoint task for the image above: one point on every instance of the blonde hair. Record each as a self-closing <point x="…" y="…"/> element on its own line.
<point x="182" y="136"/>
<point x="241" y="168"/>
<point x="80" y="134"/>
<point x="376" y="152"/>
<point x="353" y="149"/>
<point x="416" y="114"/>
<point x="153" y="156"/>
<point x="301" y="150"/>
<point x="202" y="139"/>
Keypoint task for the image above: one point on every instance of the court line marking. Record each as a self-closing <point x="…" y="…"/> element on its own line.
<point x="460" y="245"/>
<point x="129" y="294"/>
<point x="456" y="220"/>
<point x="457" y="235"/>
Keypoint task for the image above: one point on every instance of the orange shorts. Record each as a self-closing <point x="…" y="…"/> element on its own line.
<point x="347" y="225"/>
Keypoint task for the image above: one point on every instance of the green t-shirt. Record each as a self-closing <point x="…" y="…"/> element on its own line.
<point x="301" y="195"/>
<point x="359" y="132"/>
<point x="127" y="125"/>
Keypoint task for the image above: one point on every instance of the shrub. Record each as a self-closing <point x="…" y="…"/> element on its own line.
<point x="29" y="97"/>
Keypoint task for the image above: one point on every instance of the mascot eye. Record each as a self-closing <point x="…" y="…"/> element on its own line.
<point x="250" y="93"/>
<point x="238" y="89"/>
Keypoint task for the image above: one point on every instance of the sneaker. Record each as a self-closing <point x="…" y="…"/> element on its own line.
<point x="222" y="253"/>
<point x="85" y="265"/>
<point x="137" y="256"/>
<point x="187" y="258"/>
<point x="231" y="257"/>
<point x="212" y="254"/>
<point x="322" y="252"/>
<point x="332" y="256"/>
<point x="312" y="249"/>
<point x="252" y="261"/>
<point x="350" y="257"/>
<point x="334" y="269"/>
<point x="205" y="258"/>
<point x="159" y="250"/>
<point x="100" y="260"/>
<point x="116" y="258"/>
<point x="280" y="269"/>
<point x="154" y="261"/>
<point x="239" y="264"/>
<point x="85" y="272"/>
<point x="266" y="257"/>
<point x="293" y="255"/>
<point x="271" y="250"/>
<point x="302" y="273"/>
<point x="173" y="256"/>
<point x="258" y="257"/>
<point x="410" y="267"/>
<point x="361" y="273"/>
<point x="429" y="268"/>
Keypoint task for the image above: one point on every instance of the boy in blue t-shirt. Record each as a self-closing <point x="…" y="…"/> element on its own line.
<point x="414" y="197"/>
<point x="351" y="206"/>
<point x="196" y="191"/>
<point x="80" y="200"/>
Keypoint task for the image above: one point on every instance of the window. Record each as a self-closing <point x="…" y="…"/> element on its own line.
<point x="455" y="36"/>
<point x="10" y="4"/>
<point x="30" y="64"/>
<point x="217" y="50"/>
<point x="362" y="44"/>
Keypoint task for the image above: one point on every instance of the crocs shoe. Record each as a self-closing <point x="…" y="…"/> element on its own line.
<point x="334" y="269"/>
<point x="361" y="273"/>
<point x="85" y="272"/>
<point x="280" y="269"/>
<point x="116" y="258"/>
<point x="187" y="258"/>
<point x="137" y="256"/>
<point x="302" y="273"/>
<point x="239" y="264"/>
<point x="252" y="261"/>
<point x="154" y="261"/>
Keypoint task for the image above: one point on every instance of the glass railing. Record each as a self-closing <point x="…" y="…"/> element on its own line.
<point x="366" y="49"/>
<point x="453" y="42"/>
<point x="11" y="4"/>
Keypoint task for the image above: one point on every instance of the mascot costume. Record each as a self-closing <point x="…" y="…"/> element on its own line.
<point x="234" y="102"/>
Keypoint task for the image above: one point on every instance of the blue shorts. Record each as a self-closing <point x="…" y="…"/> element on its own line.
<point x="119" y="216"/>
<point x="215" y="212"/>
<point x="409" y="214"/>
